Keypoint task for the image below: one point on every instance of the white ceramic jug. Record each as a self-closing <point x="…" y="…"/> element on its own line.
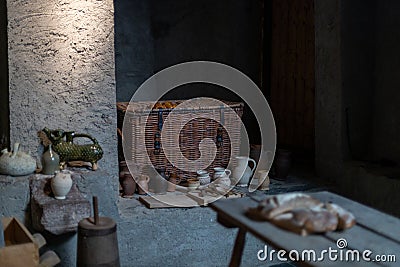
<point x="242" y="172"/>
<point x="61" y="184"/>
<point x="221" y="176"/>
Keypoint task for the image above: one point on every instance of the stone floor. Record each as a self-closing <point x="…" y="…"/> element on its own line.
<point x="196" y="231"/>
<point x="154" y="237"/>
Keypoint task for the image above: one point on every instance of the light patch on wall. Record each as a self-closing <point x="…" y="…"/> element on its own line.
<point x="61" y="61"/>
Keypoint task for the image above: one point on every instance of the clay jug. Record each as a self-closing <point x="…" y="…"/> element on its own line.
<point x="173" y="181"/>
<point x="224" y="180"/>
<point x="123" y="168"/>
<point x="159" y="182"/>
<point x="143" y="183"/>
<point x="128" y="185"/>
<point x="220" y="172"/>
<point x="61" y="184"/>
<point x="242" y="172"/>
<point x="263" y="179"/>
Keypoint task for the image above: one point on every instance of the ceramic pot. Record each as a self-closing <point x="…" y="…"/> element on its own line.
<point x="61" y="184"/>
<point x="51" y="161"/>
<point x="224" y="180"/>
<point x="128" y="185"/>
<point x="173" y="181"/>
<point x="263" y="179"/>
<point x="203" y="177"/>
<point x="123" y="168"/>
<point x="220" y="172"/>
<point x="193" y="183"/>
<point x="159" y="182"/>
<point x="143" y="183"/>
<point x="282" y="164"/>
<point x="242" y="172"/>
<point x="16" y="163"/>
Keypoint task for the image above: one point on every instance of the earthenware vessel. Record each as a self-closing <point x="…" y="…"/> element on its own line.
<point x="128" y="185"/>
<point x="51" y="161"/>
<point x="61" y="184"/>
<point x="224" y="180"/>
<point x="242" y="172"/>
<point x="173" y="181"/>
<point x="16" y="163"/>
<point x="143" y="183"/>
<point x="203" y="177"/>
<point x="123" y="168"/>
<point x="193" y="183"/>
<point x="70" y="151"/>
<point x="263" y="179"/>
<point x="159" y="182"/>
<point x="220" y="172"/>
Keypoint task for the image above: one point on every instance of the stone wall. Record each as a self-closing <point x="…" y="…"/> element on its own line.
<point x="61" y="75"/>
<point x="61" y="69"/>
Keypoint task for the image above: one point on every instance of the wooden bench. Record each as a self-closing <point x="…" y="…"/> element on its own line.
<point x="375" y="231"/>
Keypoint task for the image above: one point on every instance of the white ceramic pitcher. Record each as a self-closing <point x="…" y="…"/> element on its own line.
<point x="242" y="172"/>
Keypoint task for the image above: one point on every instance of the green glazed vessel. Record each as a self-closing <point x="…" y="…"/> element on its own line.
<point x="51" y="161"/>
<point x="69" y="151"/>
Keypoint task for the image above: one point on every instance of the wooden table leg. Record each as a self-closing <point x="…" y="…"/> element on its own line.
<point x="236" y="257"/>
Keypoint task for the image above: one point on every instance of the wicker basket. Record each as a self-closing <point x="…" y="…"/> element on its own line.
<point x="202" y="122"/>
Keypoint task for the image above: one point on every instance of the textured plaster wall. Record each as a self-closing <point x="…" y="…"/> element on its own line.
<point x="61" y="75"/>
<point x="61" y="64"/>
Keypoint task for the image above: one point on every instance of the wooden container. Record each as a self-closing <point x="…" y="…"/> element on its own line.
<point x="97" y="244"/>
<point x="146" y="121"/>
<point x="20" y="247"/>
<point x="97" y="241"/>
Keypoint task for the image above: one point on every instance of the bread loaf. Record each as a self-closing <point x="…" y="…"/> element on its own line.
<point x="305" y="221"/>
<point x="346" y="218"/>
<point x="302" y="214"/>
<point x="275" y="205"/>
<point x="289" y="222"/>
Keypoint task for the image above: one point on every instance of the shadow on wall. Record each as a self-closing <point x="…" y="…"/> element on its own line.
<point x="371" y="188"/>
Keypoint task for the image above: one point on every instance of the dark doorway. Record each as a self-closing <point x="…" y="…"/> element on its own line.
<point x="4" y="109"/>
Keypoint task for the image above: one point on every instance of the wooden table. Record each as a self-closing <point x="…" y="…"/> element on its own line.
<point x="374" y="231"/>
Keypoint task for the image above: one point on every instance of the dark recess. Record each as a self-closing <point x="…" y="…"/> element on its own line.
<point x="4" y="107"/>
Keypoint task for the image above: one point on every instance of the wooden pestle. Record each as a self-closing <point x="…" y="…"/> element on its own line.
<point x="95" y="210"/>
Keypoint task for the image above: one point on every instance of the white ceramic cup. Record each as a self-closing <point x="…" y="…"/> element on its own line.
<point x="220" y="172"/>
<point x="202" y="173"/>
